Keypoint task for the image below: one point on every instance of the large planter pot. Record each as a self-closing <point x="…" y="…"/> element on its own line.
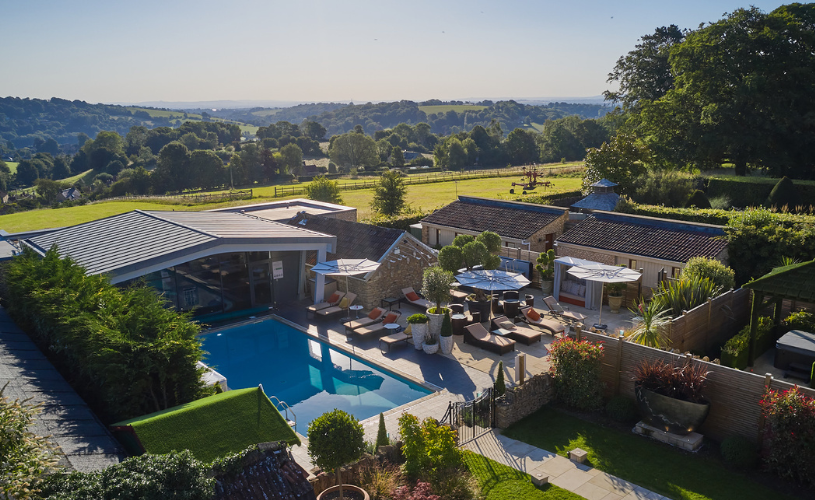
<point x="547" y="287"/>
<point x="669" y="414"/>
<point x="614" y="303"/>
<point x="446" y="344"/>
<point x="419" y="331"/>
<point x="434" y="323"/>
<point x="346" y="489"/>
<point x="431" y="348"/>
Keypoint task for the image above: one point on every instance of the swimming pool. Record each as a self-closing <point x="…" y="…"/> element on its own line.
<point x="310" y="376"/>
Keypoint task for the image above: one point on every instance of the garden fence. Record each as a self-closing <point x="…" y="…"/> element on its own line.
<point x="710" y="324"/>
<point x="189" y="198"/>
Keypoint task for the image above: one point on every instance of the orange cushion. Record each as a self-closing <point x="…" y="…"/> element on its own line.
<point x="335" y="297"/>
<point x="412" y="296"/>
<point x="375" y="313"/>
<point x="390" y="318"/>
<point x="533" y="314"/>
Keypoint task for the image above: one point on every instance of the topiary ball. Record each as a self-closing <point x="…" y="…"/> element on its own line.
<point x="739" y="452"/>
<point x="697" y="199"/>
<point x="621" y="409"/>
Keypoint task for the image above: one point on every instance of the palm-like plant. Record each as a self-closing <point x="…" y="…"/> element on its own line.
<point x="651" y="323"/>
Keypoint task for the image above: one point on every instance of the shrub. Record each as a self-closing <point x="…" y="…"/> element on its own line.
<point x="335" y="439"/>
<point x="323" y="189"/>
<point x="736" y="350"/>
<point x="382" y="433"/>
<point x="429" y="448"/>
<point x="546" y="264"/>
<point x="417" y="318"/>
<point x="450" y="258"/>
<point x="332" y="167"/>
<point x="422" y="491"/>
<point x="697" y="199"/>
<point x="801" y="320"/>
<point x="739" y="452"/>
<point x="784" y="193"/>
<point x="125" y="353"/>
<point x="401" y="221"/>
<point x="25" y="456"/>
<point x="621" y="409"/>
<point x="684" y="294"/>
<point x="446" y="325"/>
<point x="380" y="480"/>
<point x="500" y="386"/>
<point x="790" y="434"/>
<point x="650" y="322"/>
<point x="668" y="188"/>
<point x="576" y="371"/>
<point x="684" y="382"/>
<point x="720" y="202"/>
<point x="436" y="285"/>
<point x="702" y="267"/>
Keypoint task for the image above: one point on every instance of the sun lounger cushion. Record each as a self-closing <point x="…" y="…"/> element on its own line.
<point x="344" y="303"/>
<point x="507" y="325"/>
<point x="532" y="314"/>
<point x="375" y="314"/>
<point x="334" y="298"/>
<point x="390" y="318"/>
<point x="412" y="296"/>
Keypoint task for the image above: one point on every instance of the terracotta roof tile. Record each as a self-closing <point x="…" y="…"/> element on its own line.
<point x="508" y="219"/>
<point x="646" y="236"/>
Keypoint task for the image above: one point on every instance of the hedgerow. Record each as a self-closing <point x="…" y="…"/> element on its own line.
<point x="790" y="434"/>
<point x="576" y="371"/>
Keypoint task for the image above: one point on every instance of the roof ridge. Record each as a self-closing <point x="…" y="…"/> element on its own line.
<point x="509" y="204"/>
<point x="192" y="228"/>
<point x="645" y="220"/>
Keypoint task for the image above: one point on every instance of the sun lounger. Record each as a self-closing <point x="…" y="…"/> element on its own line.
<point x="478" y="336"/>
<point x="517" y="333"/>
<point x="557" y="310"/>
<point x="342" y="306"/>
<point x="534" y="318"/>
<point x="413" y="297"/>
<point x="377" y="328"/>
<point x="370" y="319"/>
<point x="333" y="300"/>
<point x="395" y="339"/>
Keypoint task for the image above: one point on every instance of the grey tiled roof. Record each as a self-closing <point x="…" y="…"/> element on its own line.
<point x="605" y="183"/>
<point x="598" y="201"/>
<point x="508" y="219"/>
<point x="355" y="240"/>
<point x="646" y="236"/>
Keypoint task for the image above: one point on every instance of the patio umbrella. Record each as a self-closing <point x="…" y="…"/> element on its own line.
<point x="493" y="280"/>
<point x="345" y="267"/>
<point x="604" y="274"/>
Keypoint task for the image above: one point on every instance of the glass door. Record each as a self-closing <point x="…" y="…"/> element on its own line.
<point x="261" y="284"/>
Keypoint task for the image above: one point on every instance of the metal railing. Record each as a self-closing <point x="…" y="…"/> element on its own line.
<point x="283" y="407"/>
<point x="472" y="419"/>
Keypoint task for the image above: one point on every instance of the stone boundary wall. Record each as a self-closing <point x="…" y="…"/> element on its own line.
<point x="322" y="480"/>
<point x="733" y="394"/>
<point x="523" y="400"/>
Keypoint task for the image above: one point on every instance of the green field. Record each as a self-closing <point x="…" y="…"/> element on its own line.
<point x="12" y="165"/>
<point x="161" y="113"/>
<point x="265" y="112"/>
<point x="58" y="217"/>
<point x="444" y="108"/>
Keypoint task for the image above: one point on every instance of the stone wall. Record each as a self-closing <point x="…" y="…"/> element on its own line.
<point x="348" y="215"/>
<point x="524" y="400"/>
<point x="321" y="480"/>
<point x="579" y="253"/>
<point x="538" y="240"/>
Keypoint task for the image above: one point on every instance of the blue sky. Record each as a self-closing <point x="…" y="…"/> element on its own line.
<point x="301" y="50"/>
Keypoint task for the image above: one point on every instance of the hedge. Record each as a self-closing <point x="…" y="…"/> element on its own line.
<point x="401" y="221"/>
<point x="736" y="350"/>
<point x="714" y="216"/>
<point x="753" y="191"/>
<point x="121" y="349"/>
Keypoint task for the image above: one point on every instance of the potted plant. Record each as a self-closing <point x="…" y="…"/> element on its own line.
<point x="431" y="344"/>
<point x="446" y="335"/>
<point x="336" y="439"/>
<point x="418" y="327"/>
<point x="670" y="397"/>
<point x="615" y="296"/>
<point x="436" y="287"/>
<point x="546" y="268"/>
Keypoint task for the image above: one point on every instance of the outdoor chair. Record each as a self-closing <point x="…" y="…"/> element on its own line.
<point x="497" y="305"/>
<point x="457" y="296"/>
<point x="342" y="306"/>
<point x="377" y="328"/>
<point x="478" y="336"/>
<point x="333" y="300"/>
<point x="557" y="310"/>
<point x="375" y="315"/>
<point x="517" y="333"/>
<point x="414" y="298"/>
<point x="534" y="318"/>
<point x="395" y="338"/>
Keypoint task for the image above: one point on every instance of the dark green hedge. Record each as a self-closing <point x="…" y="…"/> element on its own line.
<point x="401" y="221"/>
<point x="121" y="349"/>
<point x="753" y="191"/>
<point x="736" y="350"/>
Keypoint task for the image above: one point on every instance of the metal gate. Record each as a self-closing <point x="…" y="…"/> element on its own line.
<point x="472" y="418"/>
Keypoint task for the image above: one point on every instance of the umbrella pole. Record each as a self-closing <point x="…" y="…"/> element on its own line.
<point x="348" y="289"/>
<point x="600" y="319"/>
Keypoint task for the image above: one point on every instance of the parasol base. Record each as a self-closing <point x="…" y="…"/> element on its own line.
<point x="598" y="326"/>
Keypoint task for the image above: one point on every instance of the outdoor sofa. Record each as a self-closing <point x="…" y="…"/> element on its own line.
<point x="478" y="336"/>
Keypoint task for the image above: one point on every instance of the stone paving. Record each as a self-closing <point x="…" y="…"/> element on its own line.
<point x="581" y="479"/>
<point x="85" y="444"/>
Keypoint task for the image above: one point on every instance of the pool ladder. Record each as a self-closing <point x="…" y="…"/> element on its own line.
<point x="284" y="408"/>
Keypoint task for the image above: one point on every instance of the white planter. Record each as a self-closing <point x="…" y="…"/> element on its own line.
<point x="446" y="344"/>
<point x="430" y="348"/>
<point x="547" y="287"/>
<point x="434" y="323"/>
<point x="419" y="331"/>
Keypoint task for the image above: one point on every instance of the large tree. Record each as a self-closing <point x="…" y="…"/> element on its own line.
<point x="174" y="167"/>
<point x="354" y="150"/>
<point x="389" y="196"/>
<point x="207" y="169"/>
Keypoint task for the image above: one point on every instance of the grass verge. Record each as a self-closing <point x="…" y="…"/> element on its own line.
<point x="657" y="467"/>
<point x="499" y="482"/>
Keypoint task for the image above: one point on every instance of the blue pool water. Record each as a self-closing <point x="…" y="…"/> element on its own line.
<point x="309" y="375"/>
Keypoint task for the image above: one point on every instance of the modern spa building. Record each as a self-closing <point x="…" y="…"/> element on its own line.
<point x="213" y="263"/>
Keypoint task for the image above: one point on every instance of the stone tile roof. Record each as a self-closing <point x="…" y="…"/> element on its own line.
<point x="355" y="240"/>
<point x="267" y="472"/>
<point x="598" y="201"/>
<point x="508" y="219"/>
<point x="646" y="236"/>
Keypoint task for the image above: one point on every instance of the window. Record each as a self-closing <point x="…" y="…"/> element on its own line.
<point x="632" y="264"/>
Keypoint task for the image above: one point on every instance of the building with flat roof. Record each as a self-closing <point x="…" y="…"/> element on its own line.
<point x="211" y="263"/>
<point x="284" y="210"/>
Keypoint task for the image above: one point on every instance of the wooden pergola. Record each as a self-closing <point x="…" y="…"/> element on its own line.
<point x="793" y="282"/>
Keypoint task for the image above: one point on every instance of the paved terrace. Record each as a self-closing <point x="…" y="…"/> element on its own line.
<point x="84" y="443"/>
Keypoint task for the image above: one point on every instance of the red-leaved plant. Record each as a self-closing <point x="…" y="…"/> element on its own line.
<point x="684" y="382"/>
<point x="789" y="435"/>
<point x="576" y="372"/>
<point x="422" y="491"/>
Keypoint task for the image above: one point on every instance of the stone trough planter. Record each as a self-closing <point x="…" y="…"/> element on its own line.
<point x="669" y="414"/>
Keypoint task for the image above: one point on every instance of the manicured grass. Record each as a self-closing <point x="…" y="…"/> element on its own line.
<point x="444" y="108"/>
<point x="214" y="426"/>
<point x="12" y="165"/>
<point x="654" y="466"/>
<point x="58" y="217"/>
<point x="499" y="482"/>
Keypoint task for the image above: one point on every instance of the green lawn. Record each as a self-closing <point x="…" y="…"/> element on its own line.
<point x="654" y="466"/>
<point x="12" y="165"/>
<point x="215" y="426"/>
<point x="58" y="217"/>
<point x="444" y="108"/>
<point x="499" y="482"/>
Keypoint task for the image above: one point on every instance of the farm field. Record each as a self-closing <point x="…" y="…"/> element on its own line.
<point x="12" y="165"/>
<point x="421" y="196"/>
<point x="444" y="108"/>
<point x="161" y="113"/>
<point x="265" y="112"/>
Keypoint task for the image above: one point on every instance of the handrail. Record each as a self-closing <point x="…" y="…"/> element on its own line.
<point x="286" y="408"/>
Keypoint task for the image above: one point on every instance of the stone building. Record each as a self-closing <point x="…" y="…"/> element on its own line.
<point x="402" y="257"/>
<point x="521" y="225"/>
